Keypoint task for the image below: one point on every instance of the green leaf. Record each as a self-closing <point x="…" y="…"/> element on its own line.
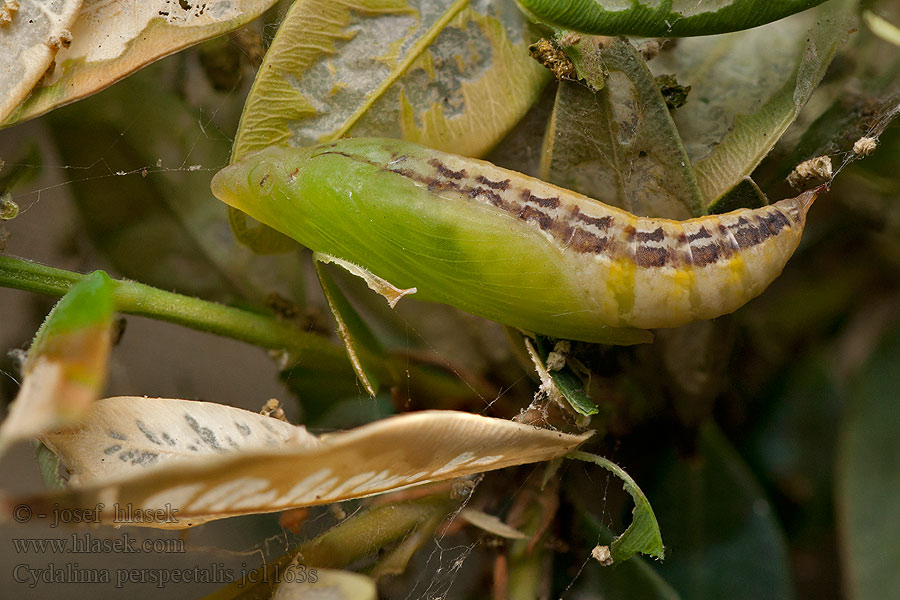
<point x="724" y="539"/>
<point x="635" y="579"/>
<point x="748" y="87"/>
<point x="564" y="379"/>
<point x="642" y="535"/>
<point x="868" y="481"/>
<point x="144" y="194"/>
<point x="665" y="18"/>
<point x="86" y="307"/>
<point x="618" y="145"/>
<point x="424" y="72"/>
<point x="746" y="194"/>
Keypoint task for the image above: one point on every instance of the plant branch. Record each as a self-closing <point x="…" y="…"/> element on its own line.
<point x="139" y="299"/>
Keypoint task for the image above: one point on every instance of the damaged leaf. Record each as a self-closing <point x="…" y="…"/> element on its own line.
<point x="197" y="469"/>
<point x="65" y="370"/>
<point x="31" y="34"/>
<point x="110" y="40"/>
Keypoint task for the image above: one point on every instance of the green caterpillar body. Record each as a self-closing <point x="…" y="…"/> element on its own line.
<point x="509" y="247"/>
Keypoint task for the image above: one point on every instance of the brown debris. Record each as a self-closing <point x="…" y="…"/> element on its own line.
<point x="810" y="172"/>
<point x="553" y="58"/>
<point x="8" y="11"/>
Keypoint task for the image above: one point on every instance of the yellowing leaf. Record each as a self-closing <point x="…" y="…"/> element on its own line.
<point x="66" y="366"/>
<point x="179" y="463"/>
<point x="453" y="77"/>
<point x="112" y="39"/>
<point x="31" y="33"/>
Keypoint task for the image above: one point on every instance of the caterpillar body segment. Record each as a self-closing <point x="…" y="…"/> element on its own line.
<point x="510" y="247"/>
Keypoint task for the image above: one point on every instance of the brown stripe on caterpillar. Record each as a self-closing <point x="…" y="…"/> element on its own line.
<point x="746" y="233"/>
<point x="527" y="196"/>
<point x="710" y="253"/>
<point x="657" y="235"/>
<point x="652" y="256"/>
<point x="496" y="185"/>
<point x="774" y="221"/>
<point x="602" y="223"/>
<point x="447" y="171"/>
<point x="700" y="234"/>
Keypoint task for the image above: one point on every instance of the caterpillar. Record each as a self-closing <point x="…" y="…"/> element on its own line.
<point x="509" y="247"/>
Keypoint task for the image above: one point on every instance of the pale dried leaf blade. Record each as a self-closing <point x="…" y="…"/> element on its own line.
<point x="325" y="584"/>
<point x="45" y="392"/>
<point x="28" y="44"/>
<point x="110" y="40"/>
<point x="491" y="524"/>
<point x="125" y="435"/>
<point x="380" y="286"/>
<point x="222" y="482"/>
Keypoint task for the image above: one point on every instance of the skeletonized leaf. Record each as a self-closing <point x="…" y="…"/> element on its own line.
<point x="748" y="87"/>
<point x="656" y="19"/>
<point x="619" y="145"/>
<point x="31" y="33"/>
<point x="220" y="480"/>
<point x="453" y="76"/>
<point x="112" y="39"/>
<point x="66" y="366"/>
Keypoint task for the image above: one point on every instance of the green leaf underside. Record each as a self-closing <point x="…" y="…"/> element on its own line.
<point x="868" y="481"/>
<point x="746" y="194"/>
<point x="364" y="351"/>
<point x="733" y="117"/>
<point x="642" y="535"/>
<point x="565" y="380"/>
<point x="666" y="18"/>
<point x="723" y="537"/>
<point x="619" y="145"/>
<point x="454" y="77"/>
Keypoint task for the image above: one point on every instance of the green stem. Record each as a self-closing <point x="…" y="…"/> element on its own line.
<point x="139" y="299"/>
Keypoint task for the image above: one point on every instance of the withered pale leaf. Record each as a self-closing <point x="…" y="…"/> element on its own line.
<point x="112" y="39"/>
<point x="125" y="435"/>
<point x="325" y="584"/>
<point x="491" y="524"/>
<point x="65" y="370"/>
<point x="221" y="481"/>
<point x="31" y="33"/>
